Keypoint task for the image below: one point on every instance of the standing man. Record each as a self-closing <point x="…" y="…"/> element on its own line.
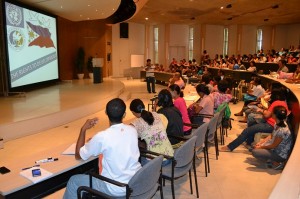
<point x="119" y="146"/>
<point x="150" y="78"/>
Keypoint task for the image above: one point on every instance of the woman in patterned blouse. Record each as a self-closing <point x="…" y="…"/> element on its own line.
<point x="275" y="149"/>
<point x="151" y="128"/>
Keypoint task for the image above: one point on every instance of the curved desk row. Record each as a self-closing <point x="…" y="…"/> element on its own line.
<point x="267" y="67"/>
<point x="288" y="185"/>
<point x="164" y="77"/>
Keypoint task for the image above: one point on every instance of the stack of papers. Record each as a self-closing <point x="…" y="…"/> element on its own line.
<point x="70" y="150"/>
<point x="28" y="174"/>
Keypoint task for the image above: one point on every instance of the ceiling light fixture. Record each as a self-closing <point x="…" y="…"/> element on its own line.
<point x="146" y="18"/>
<point x="229" y="6"/>
<point x="222" y="8"/>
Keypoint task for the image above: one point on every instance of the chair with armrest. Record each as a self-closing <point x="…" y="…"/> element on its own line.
<point x="182" y="163"/>
<point x="142" y="185"/>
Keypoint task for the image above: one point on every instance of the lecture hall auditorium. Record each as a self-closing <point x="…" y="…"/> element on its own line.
<point x="192" y="37"/>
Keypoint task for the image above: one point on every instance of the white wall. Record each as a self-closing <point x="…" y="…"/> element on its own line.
<point x="267" y="35"/>
<point x="122" y="49"/>
<point x="293" y="35"/>
<point x="214" y="39"/>
<point x="176" y="35"/>
<point x="232" y="39"/>
<point x="248" y="43"/>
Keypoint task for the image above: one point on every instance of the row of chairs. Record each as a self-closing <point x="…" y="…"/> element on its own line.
<point x="151" y="177"/>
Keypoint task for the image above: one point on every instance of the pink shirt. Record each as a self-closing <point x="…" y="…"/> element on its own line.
<point x="181" y="105"/>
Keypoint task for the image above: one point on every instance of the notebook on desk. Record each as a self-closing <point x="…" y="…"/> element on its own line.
<point x="70" y="150"/>
<point x="28" y="174"/>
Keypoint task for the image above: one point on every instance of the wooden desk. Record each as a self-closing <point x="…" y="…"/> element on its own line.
<point x="164" y="77"/>
<point x="267" y="67"/>
<point x="288" y="184"/>
<point x="23" y="152"/>
<point x="235" y="74"/>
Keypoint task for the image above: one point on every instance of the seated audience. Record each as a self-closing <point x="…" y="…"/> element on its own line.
<point x="235" y="66"/>
<point x="221" y="74"/>
<point x="176" y="79"/>
<point x="205" y="105"/>
<point x="252" y="67"/>
<point x="206" y="80"/>
<point x="262" y="58"/>
<point x="252" y="95"/>
<point x="297" y="72"/>
<point x="151" y="127"/>
<point x="282" y="67"/>
<point x="275" y="149"/>
<point x="265" y="124"/>
<point x="119" y="146"/>
<point x="180" y="104"/>
<point x="221" y="96"/>
<point x="175" y="123"/>
<point x="276" y="58"/>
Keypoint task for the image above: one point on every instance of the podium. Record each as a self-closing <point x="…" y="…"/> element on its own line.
<point x="98" y="70"/>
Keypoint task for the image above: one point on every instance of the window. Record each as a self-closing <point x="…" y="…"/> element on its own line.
<point x="191" y="44"/>
<point x="225" y="43"/>
<point x="155" y="44"/>
<point x="258" y="39"/>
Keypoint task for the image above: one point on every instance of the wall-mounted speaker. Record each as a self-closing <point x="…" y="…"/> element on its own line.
<point x="124" y="30"/>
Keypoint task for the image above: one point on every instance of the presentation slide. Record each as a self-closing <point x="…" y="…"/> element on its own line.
<point x="31" y="44"/>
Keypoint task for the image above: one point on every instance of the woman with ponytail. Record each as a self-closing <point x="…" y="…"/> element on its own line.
<point x="275" y="149"/>
<point x="151" y="128"/>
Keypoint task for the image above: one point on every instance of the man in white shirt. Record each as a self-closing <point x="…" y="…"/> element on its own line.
<point x="150" y="78"/>
<point x="119" y="146"/>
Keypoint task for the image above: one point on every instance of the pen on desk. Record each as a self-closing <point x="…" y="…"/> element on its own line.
<point x="31" y="167"/>
<point x="46" y="160"/>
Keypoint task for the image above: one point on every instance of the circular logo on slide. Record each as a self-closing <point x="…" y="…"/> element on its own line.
<point x="14" y="14"/>
<point x="16" y="39"/>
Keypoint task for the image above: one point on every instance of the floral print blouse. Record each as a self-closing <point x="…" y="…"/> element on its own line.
<point x="155" y="135"/>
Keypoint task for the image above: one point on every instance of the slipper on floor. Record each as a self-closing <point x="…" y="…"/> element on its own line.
<point x="224" y="149"/>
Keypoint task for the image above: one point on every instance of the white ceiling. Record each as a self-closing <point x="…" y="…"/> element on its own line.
<point x="180" y="11"/>
<point x="77" y="10"/>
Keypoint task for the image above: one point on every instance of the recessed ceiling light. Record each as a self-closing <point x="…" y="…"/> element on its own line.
<point x="88" y="18"/>
<point x="102" y="13"/>
<point x="113" y="9"/>
<point x="222" y="8"/>
<point x="80" y="15"/>
<point x="61" y="7"/>
<point x="229" y="6"/>
<point x="146" y="18"/>
<point x="89" y="5"/>
<point x="96" y="10"/>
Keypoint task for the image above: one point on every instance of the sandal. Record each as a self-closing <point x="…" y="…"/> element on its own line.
<point x="224" y="149"/>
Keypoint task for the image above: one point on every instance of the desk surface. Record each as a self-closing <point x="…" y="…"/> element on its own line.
<point x="23" y="152"/>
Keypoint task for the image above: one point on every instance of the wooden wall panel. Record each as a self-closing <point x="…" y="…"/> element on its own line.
<point x="71" y="35"/>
